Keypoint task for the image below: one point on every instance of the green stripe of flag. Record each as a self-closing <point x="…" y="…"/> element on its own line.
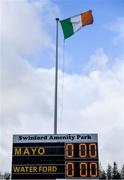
<point x="67" y="28"/>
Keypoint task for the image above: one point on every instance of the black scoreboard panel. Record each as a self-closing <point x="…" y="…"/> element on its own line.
<point x="52" y="160"/>
<point x="38" y="159"/>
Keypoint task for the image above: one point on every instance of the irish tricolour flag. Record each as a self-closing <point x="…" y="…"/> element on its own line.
<point x="73" y="24"/>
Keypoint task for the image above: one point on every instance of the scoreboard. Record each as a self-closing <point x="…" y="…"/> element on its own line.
<point x="49" y="156"/>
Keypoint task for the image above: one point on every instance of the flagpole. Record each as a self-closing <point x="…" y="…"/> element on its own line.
<point x="56" y="80"/>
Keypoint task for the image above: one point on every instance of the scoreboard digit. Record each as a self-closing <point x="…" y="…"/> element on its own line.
<point x="55" y="156"/>
<point x="81" y="160"/>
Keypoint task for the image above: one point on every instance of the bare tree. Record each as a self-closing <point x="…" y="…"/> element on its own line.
<point x="102" y="174"/>
<point x="6" y="176"/>
<point x="109" y="172"/>
<point x="115" y="172"/>
<point x="122" y="172"/>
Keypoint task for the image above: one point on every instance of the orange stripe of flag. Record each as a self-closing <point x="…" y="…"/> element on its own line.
<point x="87" y="18"/>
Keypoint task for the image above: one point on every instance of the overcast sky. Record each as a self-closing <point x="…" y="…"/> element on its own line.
<point x="91" y="90"/>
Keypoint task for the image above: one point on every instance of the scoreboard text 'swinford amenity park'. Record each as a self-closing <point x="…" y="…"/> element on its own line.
<point x="50" y="156"/>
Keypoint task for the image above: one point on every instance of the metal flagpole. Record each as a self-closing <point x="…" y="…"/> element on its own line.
<point x="56" y="80"/>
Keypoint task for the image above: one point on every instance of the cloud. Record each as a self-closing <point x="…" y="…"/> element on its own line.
<point x="21" y="32"/>
<point x="94" y="62"/>
<point x="117" y="27"/>
<point x="26" y="94"/>
<point x="92" y="102"/>
<point x="24" y="25"/>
